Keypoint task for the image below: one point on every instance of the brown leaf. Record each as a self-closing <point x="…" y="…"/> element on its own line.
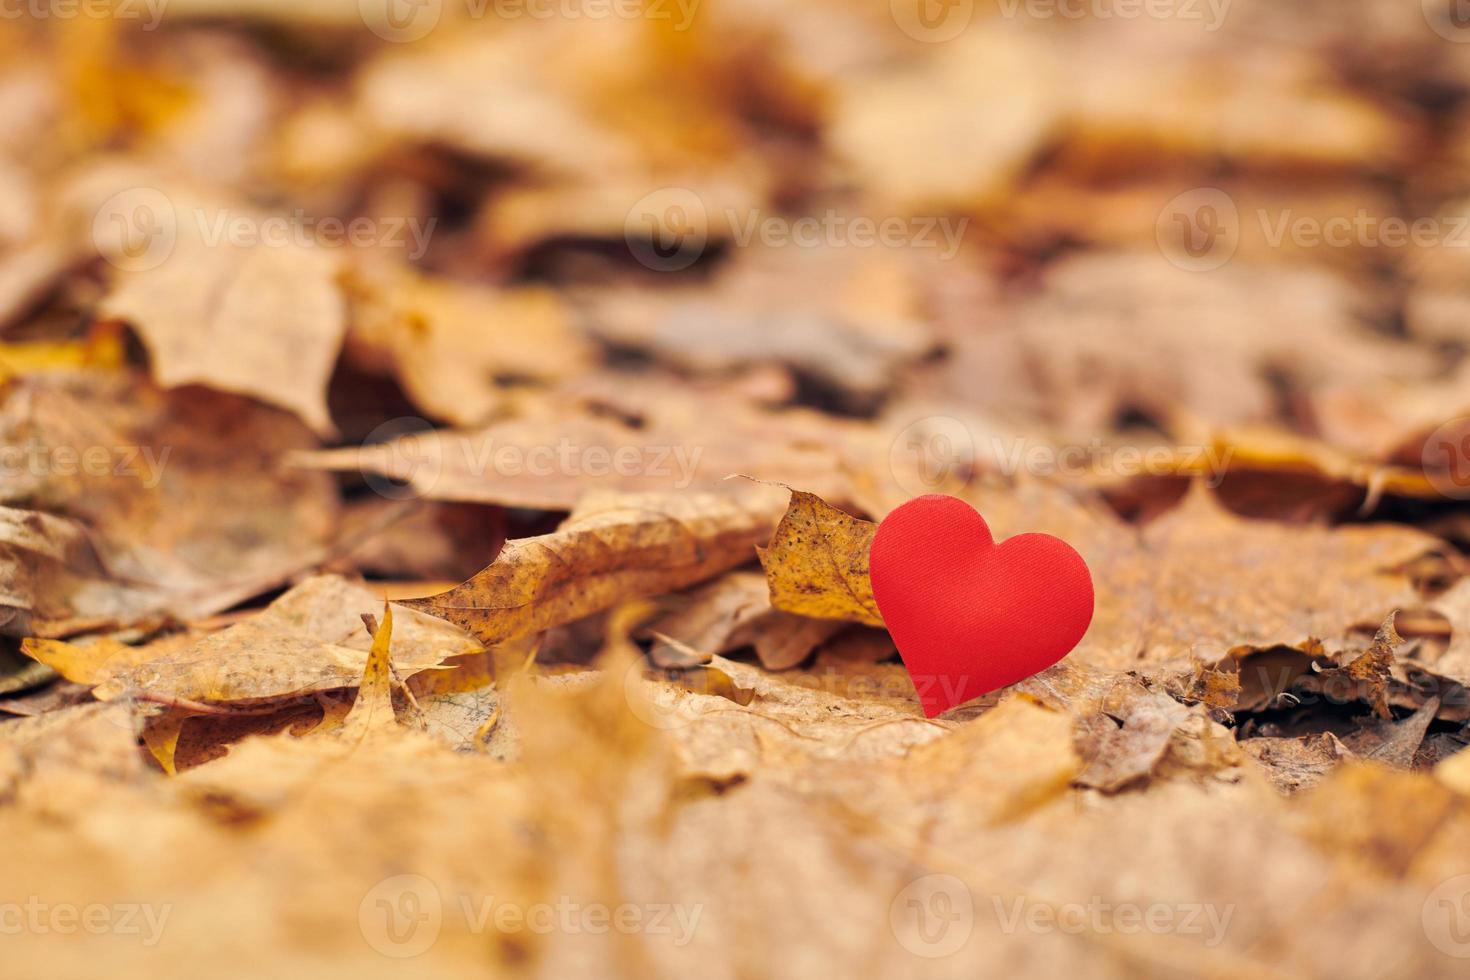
<point x="450" y="344"/>
<point x="1365" y="677"/>
<point x="311" y="639"/>
<point x="52" y="582"/>
<point x="1394" y="743"/>
<point x="1454" y="772"/>
<point x="91" y="738"/>
<point x="567" y="444"/>
<point x="1293" y="764"/>
<point x="612" y="549"/>
<point x="519" y="111"/>
<point x="847" y="322"/>
<point x="1206" y="581"/>
<point x="1118" y="753"/>
<point x="887" y="125"/>
<point x="1101" y="336"/>
<point x="259" y="318"/>
<point x="1380" y="817"/>
<point x="417" y="539"/>
<point x="1259" y="471"/>
<point x="1453" y="661"/>
<point x="167" y="485"/>
<point x="731" y="612"/>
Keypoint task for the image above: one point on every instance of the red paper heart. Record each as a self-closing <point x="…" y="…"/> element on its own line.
<point x="969" y="615"/>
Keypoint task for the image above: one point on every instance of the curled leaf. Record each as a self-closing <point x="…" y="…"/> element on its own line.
<point x="612" y="549"/>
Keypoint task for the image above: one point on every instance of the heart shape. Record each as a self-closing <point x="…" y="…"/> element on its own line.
<point x="969" y="615"/>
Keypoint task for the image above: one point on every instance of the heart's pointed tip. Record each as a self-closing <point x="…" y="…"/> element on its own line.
<point x="934" y="707"/>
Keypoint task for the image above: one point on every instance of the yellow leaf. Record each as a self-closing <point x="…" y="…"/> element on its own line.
<point x="103" y="349"/>
<point x="161" y="736"/>
<point x="309" y="640"/>
<point x="817" y="562"/>
<point x="373" y="709"/>
<point x="89" y="663"/>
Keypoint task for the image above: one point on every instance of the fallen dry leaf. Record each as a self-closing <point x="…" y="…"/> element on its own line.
<point x="609" y="439"/>
<point x="1101" y="337"/>
<point x="844" y="322"/>
<point x="217" y="289"/>
<point x="54" y="583"/>
<point x="162" y="488"/>
<point x="731" y="612"/>
<point x="206" y="316"/>
<point x="817" y="562"/>
<point x="452" y="345"/>
<point x="311" y="639"/>
<point x="612" y="548"/>
<point x="1217" y="581"/>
